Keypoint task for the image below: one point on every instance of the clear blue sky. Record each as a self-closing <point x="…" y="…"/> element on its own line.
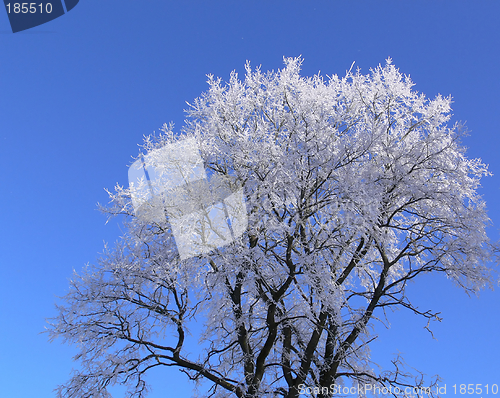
<point x="78" y="93"/>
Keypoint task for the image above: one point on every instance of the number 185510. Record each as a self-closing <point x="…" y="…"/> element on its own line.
<point x="25" y="8"/>
<point x="475" y="389"/>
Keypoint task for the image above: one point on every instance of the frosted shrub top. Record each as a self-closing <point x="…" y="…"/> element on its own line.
<point x="359" y="156"/>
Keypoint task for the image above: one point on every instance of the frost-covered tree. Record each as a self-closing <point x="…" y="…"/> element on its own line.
<point x="353" y="187"/>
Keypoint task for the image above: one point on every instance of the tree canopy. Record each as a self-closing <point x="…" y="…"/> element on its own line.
<point x="353" y="187"/>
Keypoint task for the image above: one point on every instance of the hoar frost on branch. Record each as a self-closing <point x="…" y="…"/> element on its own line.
<point x="353" y="188"/>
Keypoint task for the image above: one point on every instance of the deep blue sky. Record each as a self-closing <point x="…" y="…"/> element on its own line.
<point x="78" y="93"/>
